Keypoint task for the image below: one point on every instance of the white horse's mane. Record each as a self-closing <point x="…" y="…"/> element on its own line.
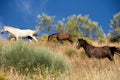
<point x="14" y="27"/>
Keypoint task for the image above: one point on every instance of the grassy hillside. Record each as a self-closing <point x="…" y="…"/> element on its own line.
<point x="53" y="61"/>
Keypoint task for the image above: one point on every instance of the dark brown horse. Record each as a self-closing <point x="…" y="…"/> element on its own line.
<point x="60" y="37"/>
<point x="97" y="52"/>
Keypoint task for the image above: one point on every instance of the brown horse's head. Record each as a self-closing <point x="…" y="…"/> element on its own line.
<point x="80" y="43"/>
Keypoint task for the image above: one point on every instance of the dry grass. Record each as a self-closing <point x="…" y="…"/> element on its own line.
<point x="83" y="68"/>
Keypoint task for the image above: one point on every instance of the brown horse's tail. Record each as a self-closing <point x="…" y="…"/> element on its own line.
<point x="115" y="50"/>
<point x="36" y="32"/>
<point x="49" y="38"/>
<point x="52" y="36"/>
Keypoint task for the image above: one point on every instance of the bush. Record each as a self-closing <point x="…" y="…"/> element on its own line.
<point x="27" y="59"/>
<point x="43" y="38"/>
<point x="70" y="52"/>
<point x="115" y="37"/>
<point x="1" y="47"/>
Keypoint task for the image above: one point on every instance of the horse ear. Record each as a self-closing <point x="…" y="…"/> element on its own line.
<point x="80" y="39"/>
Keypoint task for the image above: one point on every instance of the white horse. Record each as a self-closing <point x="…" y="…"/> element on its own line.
<point x="18" y="33"/>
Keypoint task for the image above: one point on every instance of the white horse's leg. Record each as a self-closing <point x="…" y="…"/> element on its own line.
<point x="34" y="38"/>
<point x="16" y="38"/>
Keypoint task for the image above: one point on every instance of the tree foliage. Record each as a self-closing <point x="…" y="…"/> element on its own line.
<point x="80" y="26"/>
<point x="115" y="28"/>
<point x="45" y="22"/>
<point x="76" y="25"/>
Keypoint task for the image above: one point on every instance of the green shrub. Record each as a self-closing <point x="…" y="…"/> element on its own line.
<point x="27" y="59"/>
<point x="1" y="47"/>
<point x="70" y="52"/>
<point x="43" y="38"/>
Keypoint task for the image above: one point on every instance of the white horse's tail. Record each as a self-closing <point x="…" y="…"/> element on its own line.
<point x="36" y="32"/>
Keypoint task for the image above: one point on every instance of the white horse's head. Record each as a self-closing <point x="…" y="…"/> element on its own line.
<point x="4" y="29"/>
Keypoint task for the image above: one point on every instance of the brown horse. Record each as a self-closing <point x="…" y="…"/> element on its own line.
<point x="97" y="52"/>
<point x="60" y="37"/>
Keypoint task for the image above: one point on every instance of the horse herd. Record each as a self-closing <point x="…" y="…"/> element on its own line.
<point x="90" y="50"/>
